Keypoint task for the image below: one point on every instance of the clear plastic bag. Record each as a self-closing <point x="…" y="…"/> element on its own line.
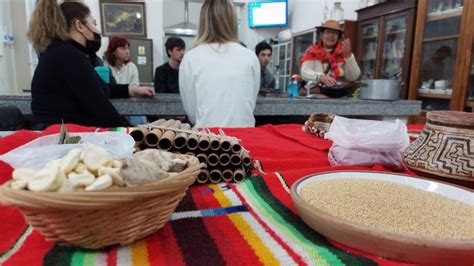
<point x="37" y="153"/>
<point x="367" y="142"/>
<point x="368" y="134"/>
<point x="389" y="158"/>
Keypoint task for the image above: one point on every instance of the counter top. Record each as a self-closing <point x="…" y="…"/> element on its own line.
<point x="170" y="104"/>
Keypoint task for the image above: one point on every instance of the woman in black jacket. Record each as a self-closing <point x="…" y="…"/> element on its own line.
<point x="65" y="86"/>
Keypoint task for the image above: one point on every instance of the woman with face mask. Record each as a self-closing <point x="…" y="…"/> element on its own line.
<point x="65" y="86"/>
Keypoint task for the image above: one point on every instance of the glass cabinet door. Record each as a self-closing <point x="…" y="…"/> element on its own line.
<point x="394" y="48"/>
<point x="300" y="44"/>
<point x="470" y="85"/>
<point x="438" y="53"/>
<point x="369" y="39"/>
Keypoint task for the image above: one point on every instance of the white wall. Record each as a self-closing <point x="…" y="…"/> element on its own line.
<point x="306" y="14"/>
<point x="154" y="26"/>
<point x="7" y="63"/>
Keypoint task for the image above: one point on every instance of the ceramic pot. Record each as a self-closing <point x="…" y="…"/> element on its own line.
<point x="445" y="148"/>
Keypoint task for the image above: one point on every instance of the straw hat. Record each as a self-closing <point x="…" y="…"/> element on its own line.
<point x="330" y="24"/>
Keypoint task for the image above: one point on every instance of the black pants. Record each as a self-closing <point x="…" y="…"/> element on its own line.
<point x="11" y="119"/>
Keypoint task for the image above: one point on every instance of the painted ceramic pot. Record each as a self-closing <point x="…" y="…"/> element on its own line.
<point x="445" y="148"/>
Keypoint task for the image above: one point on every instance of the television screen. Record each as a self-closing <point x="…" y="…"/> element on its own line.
<point x="268" y="13"/>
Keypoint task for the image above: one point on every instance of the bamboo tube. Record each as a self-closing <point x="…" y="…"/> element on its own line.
<point x="180" y="140"/>
<point x="204" y="143"/>
<point x="158" y="122"/>
<point x="246" y="160"/>
<point x="225" y="144"/>
<point x="224" y="159"/>
<point x="190" y="153"/>
<point x="166" y="141"/>
<point x="138" y="134"/>
<point x="215" y="176"/>
<point x="202" y="158"/>
<point x="182" y="137"/>
<point x="193" y="142"/>
<point x="152" y="137"/>
<point x="235" y="146"/>
<point x="212" y="159"/>
<point x="227" y="175"/>
<point x="235" y="159"/>
<point x="215" y="143"/>
<point x="203" y="176"/>
<point x="239" y="175"/>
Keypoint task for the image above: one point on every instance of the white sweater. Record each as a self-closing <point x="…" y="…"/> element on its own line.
<point x="311" y="70"/>
<point x="128" y="74"/>
<point x="219" y="85"/>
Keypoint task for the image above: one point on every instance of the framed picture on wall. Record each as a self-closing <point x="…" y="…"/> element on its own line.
<point x="123" y="18"/>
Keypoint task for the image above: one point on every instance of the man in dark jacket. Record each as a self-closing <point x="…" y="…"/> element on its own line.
<point x="166" y="75"/>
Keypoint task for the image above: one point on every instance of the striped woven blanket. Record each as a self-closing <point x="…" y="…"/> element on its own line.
<point x="249" y="223"/>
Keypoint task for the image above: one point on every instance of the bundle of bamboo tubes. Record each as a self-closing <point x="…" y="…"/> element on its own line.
<point x="224" y="156"/>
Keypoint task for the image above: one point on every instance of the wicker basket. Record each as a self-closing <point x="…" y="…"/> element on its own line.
<point x="98" y="219"/>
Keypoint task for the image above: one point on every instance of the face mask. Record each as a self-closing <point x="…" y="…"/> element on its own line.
<point x="92" y="46"/>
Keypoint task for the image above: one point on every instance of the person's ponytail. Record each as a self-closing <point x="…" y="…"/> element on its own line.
<point x="47" y="23"/>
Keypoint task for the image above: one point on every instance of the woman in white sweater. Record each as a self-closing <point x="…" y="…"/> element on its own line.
<point x="330" y="58"/>
<point x="219" y="79"/>
<point x="117" y="58"/>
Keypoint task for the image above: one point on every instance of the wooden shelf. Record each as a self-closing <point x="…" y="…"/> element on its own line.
<point x="443" y="16"/>
<point x="435" y="95"/>
<point x="391" y="58"/>
<point x="442" y="38"/>
<point x="370" y="37"/>
<point x="395" y="32"/>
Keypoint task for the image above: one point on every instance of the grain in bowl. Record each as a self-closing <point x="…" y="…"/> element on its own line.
<point x="392" y="207"/>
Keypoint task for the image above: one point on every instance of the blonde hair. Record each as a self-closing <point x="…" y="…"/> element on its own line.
<point x="217" y="23"/>
<point x="51" y="21"/>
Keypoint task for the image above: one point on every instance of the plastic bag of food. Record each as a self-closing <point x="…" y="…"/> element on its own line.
<point x="37" y="153"/>
<point x="368" y="134"/>
<point x="367" y="142"/>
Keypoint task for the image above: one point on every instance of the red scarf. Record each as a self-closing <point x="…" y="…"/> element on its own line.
<point x="318" y="52"/>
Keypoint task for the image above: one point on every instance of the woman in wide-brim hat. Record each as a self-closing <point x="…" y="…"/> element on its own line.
<point x="330" y="58"/>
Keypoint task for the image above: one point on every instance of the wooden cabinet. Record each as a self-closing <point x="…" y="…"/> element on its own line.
<point x="385" y="40"/>
<point x="442" y="65"/>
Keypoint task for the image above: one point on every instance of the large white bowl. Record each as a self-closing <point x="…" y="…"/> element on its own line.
<point x="398" y="246"/>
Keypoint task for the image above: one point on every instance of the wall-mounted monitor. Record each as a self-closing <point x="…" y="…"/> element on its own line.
<point x="268" y="13"/>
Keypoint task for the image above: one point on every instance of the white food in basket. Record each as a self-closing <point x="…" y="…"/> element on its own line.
<point x="73" y="172"/>
<point x="24" y="174"/>
<point x="95" y="157"/>
<point x="102" y="182"/>
<point x="47" y="179"/>
<point x="83" y="179"/>
<point x="93" y="168"/>
<point x="20" y="184"/>
<point x="69" y="162"/>
<point x="114" y="173"/>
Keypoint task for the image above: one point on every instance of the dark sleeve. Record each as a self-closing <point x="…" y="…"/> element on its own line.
<point x="81" y="78"/>
<point x="118" y="90"/>
<point x="272" y="83"/>
<point x="160" y="80"/>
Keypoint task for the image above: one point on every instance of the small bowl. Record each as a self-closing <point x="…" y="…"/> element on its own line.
<point x="423" y="90"/>
<point x="402" y="247"/>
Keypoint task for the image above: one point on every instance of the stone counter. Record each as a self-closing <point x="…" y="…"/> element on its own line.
<point x="170" y="104"/>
